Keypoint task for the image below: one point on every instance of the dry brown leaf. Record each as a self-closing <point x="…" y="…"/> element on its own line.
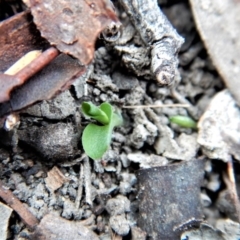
<point x="53" y="79"/>
<point x="18" y="36"/>
<point x="73" y="26"/>
<point x="9" y="82"/>
<point x="55" y="179"/>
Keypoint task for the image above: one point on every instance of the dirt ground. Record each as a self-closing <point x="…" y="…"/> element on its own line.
<point x="43" y="163"/>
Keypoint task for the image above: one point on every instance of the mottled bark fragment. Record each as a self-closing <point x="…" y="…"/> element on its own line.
<point x="73" y="26"/>
<point x="55" y="179"/>
<point x="54" y="78"/>
<point x="8" y="82"/>
<point x="169" y="201"/>
<point x="18" y="36"/>
<point x="157" y="33"/>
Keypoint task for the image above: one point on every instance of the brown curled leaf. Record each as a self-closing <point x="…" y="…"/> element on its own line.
<point x="73" y="26"/>
<point x="9" y="82"/>
<point x="18" y="36"/>
<point x="54" y="78"/>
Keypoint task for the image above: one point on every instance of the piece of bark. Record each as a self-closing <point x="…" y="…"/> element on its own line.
<point x="18" y="36"/>
<point x="5" y="213"/>
<point x="54" y="78"/>
<point x="218" y="24"/>
<point x="73" y="26"/>
<point x="53" y="227"/>
<point x="169" y="199"/>
<point x="23" y="62"/>
<point x="55" y="179"/>
<point x="10" y="81"/>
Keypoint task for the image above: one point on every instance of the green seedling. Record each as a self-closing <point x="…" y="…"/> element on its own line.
<point x="183" y="121"/>
<point x="96" y="138"/>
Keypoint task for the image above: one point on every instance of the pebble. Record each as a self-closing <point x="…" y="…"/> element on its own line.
<point x="119" y="224"/>
<point x="118" y="205"/>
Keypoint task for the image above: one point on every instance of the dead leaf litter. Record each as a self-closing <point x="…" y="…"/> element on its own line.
<point x="43" y="165"/>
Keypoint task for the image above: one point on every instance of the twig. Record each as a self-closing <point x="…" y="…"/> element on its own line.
<point x="28" y="218"/>
<point x="232" y="186"/>
<point x="191" y="109"/>
<point x="80" y="187"/>
<point x="156" y="32"/>
<point x="87" y="181"/>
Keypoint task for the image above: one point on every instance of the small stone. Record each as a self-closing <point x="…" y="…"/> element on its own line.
<point x="110" y="168"/>
<point x="118" y="205"/>
<point x="96" y="91"/>
<point x="124" y="82"/>
<point x="54" y="141"/>
<point x="124" y="160"/>
<point x="205" y="200"/>
<point x="60" y="107"/>
<point x="138" y="234"/>
<point x="103" y="97"/>
<point x="69" y="209"/>
<point x="119" y="224"/>
<point x="125" y="188"/>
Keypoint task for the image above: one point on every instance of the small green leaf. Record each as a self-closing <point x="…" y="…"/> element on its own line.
<point x="92" y="111"/>
<point x="183" y="121"/>
<point x="96" y="139"/>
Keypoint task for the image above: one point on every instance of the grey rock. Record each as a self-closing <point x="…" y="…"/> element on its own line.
<point x="135" y="96"/>
<point x="79" y="83"/>
<point x="60" y="107"/>
<point x="118" y="205"/>
<point x="124" y="81"/>
<point x="54" y="141"/>
<point x="72" y="192"/>
<point x="129" y="177"/>
<point x="125" y="188"/>
<point x="138" y="234"/>
<point x="139" y="136"/>
<point x="189" y="146"/>
<point x="124" y="160"/>
<point x="119" y="224"/>
<point x="69" y="210"/>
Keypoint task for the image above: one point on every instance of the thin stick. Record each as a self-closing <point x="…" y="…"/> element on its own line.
<point x="232" y="186"/>
<point x="87" y="180"/>
<point x="28" y="218"/>
<point x="80" y="187"/>
<point x="158" y="106"/>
